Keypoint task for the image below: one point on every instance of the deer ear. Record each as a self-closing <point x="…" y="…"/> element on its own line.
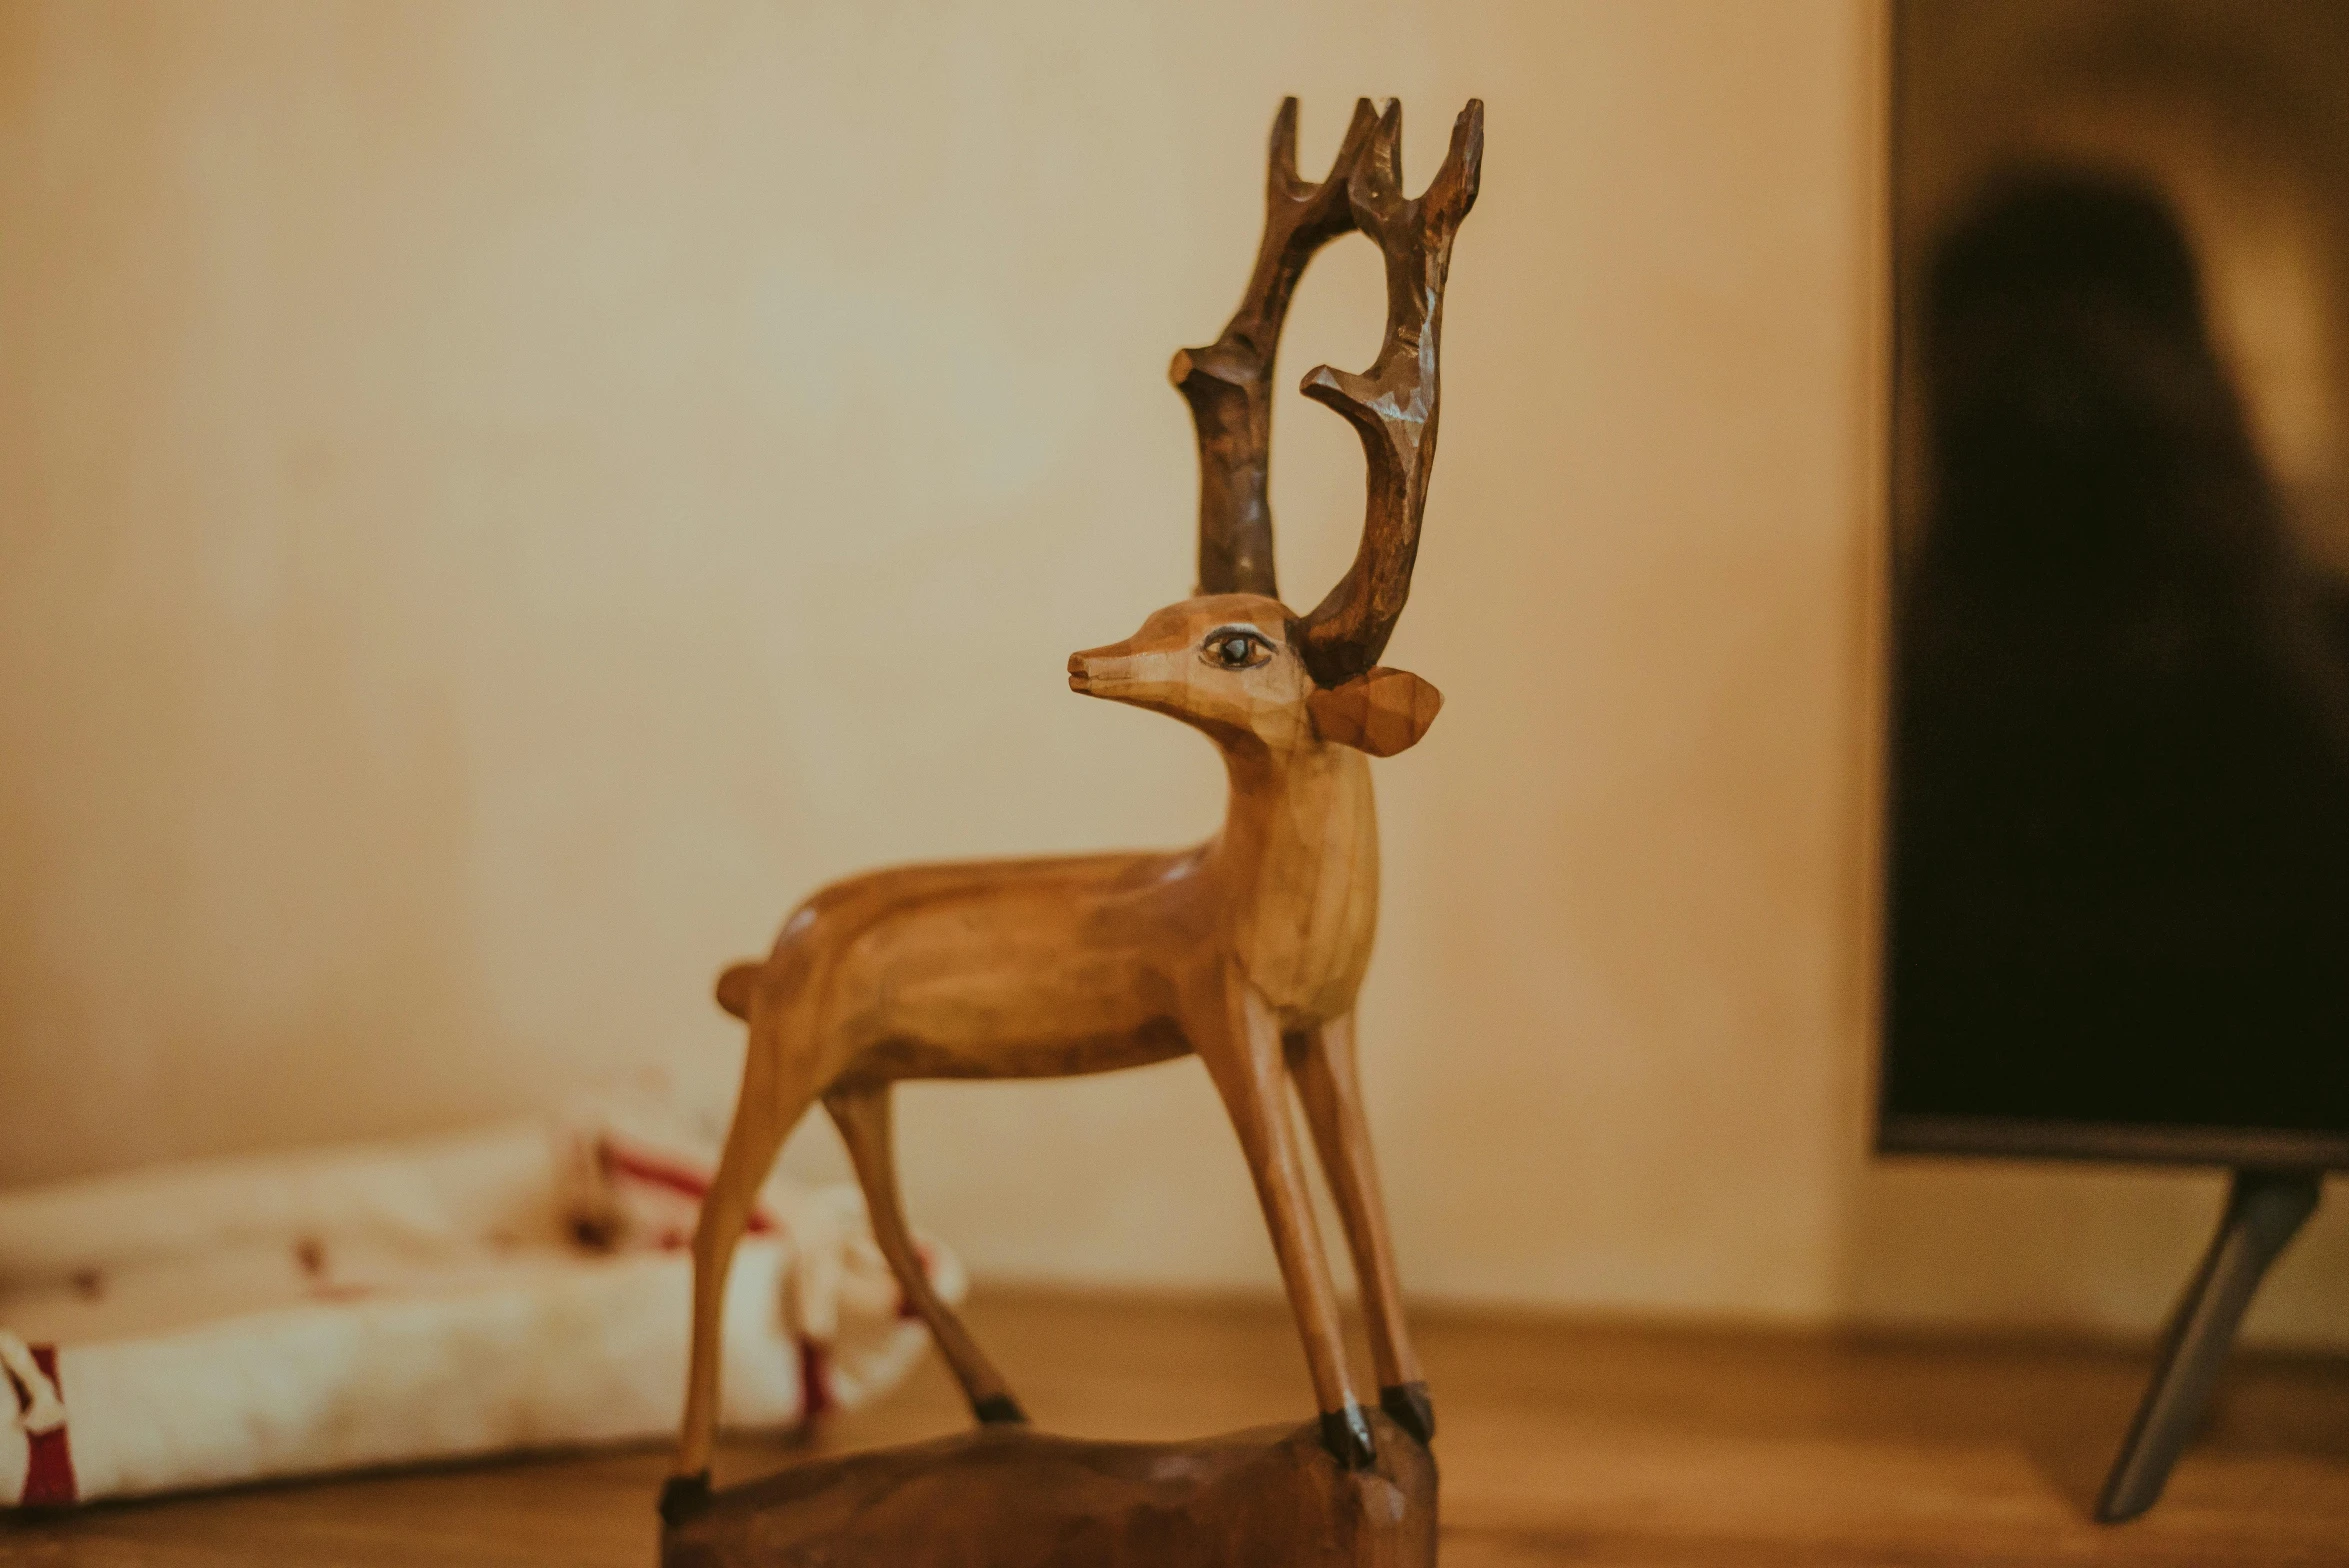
<point x="1381" y="711"/>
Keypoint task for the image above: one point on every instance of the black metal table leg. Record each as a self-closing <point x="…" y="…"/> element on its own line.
<point x="2265" y="1209"/>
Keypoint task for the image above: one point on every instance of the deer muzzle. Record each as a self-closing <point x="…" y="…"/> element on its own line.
<point x="1103" y="664"/>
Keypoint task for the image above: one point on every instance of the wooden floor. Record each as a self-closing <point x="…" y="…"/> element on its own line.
<point x="1559" y="1444"/>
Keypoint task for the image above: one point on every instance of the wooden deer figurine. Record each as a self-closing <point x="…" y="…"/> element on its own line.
<point x="1247" y="950"/>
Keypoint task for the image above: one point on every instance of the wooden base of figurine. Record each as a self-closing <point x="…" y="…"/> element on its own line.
<point x="1005" y="1495"/>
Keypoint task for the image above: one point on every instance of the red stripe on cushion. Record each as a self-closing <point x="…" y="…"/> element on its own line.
<point x="815" y="1379"/>
<point x="657" y="1172"/>
<point x="48" y="1476"/>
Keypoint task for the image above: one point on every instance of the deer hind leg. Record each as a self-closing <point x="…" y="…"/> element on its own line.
<point x="1240" y="1043"/>
<point x="862" y="1115"/>
<point x="1322" y="1062"/>
<point x="777" y="1088"/>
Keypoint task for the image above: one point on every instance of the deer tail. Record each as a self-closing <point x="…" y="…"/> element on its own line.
<point x="735" y="987"/>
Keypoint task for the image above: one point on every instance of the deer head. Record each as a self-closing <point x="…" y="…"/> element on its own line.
<point x="1226" y="664"/>
<point x="1235" y="660"/>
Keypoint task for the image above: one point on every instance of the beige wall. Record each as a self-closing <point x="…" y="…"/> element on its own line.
<point x="496" y="501"/>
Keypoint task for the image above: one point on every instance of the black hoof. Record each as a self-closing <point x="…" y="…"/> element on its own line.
<point x="999" y="1410"/>
<point x="1407" y="1405"/>
<point x="1346" y="1434"/>
<point x="683" y="1496"/>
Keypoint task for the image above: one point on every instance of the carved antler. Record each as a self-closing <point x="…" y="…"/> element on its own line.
<point x="1229" y="383"/>
<point x="1393" y="405"/>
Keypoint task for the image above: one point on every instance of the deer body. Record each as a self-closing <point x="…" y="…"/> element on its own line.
<point x="1006" y="969"/>
<point x="1052" y="968"/>
<point x="1247" y="950"/>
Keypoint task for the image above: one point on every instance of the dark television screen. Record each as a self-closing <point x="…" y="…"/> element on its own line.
<point x="2117" y="855"/>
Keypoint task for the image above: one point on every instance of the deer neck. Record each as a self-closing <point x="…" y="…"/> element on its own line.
<point x="1297" y="863"/>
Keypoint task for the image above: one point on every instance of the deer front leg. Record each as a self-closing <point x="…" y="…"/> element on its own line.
<point x="862" y="1115"/>
<point x="1322" y="1061"/>
<point x="1240" y="1042"/>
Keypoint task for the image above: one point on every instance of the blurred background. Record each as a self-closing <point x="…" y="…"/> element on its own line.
<point x="498" y="502"/>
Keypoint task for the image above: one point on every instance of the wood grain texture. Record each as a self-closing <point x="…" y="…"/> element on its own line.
<point x="1247" y="950"/>
<point x="1009" y="1496"/>
<point x="1563" y="1444"/>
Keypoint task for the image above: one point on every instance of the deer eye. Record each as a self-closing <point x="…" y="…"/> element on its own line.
<point x="1233" y="649"/>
